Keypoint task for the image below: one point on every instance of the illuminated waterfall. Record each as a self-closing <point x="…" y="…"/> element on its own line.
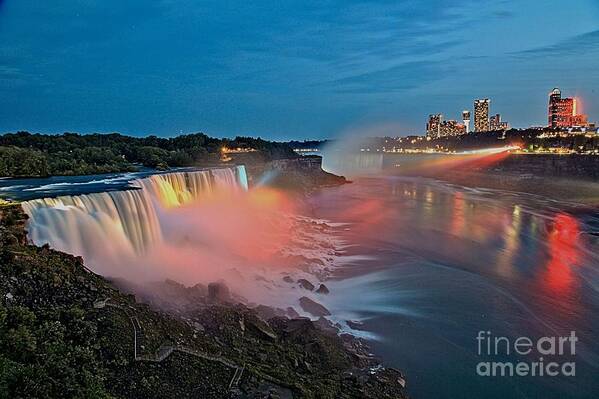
<point x="122" y="221"/>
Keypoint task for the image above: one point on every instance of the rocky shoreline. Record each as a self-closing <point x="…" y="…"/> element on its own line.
<point x="67" y="332"/>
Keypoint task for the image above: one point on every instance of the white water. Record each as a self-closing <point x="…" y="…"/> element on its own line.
<point x="128" y="220"/>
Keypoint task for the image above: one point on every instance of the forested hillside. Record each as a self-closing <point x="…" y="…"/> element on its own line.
<point x="26" y="154"/>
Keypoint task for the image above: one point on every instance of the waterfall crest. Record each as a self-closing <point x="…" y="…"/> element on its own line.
<point x="128" y="220"/>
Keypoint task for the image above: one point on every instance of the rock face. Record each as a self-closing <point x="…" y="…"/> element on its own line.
<point x="305" y="284"/>
<point x="302" y="174"/>
<point x="322" y="289"/>
<point x="312" y="307"/>
<point x="218" y="292"/>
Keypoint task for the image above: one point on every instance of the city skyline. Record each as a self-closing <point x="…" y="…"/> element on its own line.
<point x="308" y="71"/>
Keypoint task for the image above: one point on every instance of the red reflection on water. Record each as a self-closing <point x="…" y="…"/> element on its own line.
<point x="564" y="254"/>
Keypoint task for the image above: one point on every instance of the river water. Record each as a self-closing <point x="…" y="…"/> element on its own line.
<point x="441" y="263"/>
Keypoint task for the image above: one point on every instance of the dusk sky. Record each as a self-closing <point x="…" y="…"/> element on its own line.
<point x="288" y="69"/>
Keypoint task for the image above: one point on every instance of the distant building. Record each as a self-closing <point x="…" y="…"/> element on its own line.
<point x="563" y="112"/>
<point x="437" y="127"/>
<point x="481" y="115"/>
<point x="452" y="128"/>
<point x="495" y="123"/>
<point x="433" y="127"/>
<point x="466" y="120"/>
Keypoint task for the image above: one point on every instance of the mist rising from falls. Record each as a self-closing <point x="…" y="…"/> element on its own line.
<point x="192" y="227"/>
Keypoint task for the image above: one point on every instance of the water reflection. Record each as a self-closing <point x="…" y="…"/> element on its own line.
<point x="562" y="241"/>
<point x="461" y="260"/>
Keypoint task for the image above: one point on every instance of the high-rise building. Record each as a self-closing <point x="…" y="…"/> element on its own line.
<point x="563" y="112"/>
<point x="466" y="120"/>
<point x="481" y="115"/>
<point x="433" y="127"/>
<point x="452" y="128"/>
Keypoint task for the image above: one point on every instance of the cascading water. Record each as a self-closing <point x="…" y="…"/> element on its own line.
<point x="191" y="227"/>
<point x="129" y="220"/>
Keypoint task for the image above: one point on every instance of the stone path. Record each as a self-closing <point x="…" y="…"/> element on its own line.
<point x="164" y="351"/>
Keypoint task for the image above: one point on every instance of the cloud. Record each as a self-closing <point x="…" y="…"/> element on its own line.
<point x="406" y="76"/>
<point x="578" y="45"/>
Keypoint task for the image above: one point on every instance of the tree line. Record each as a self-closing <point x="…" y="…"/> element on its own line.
<point x="39" y="155"/>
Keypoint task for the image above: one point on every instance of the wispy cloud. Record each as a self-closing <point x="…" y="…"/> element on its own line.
<point x="398" y="78"/>
<point x="578" y="45"/>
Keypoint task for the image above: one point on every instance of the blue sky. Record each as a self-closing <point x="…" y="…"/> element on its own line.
<point x="288" y="69"/>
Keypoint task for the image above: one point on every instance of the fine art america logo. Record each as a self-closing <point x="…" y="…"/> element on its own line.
<point x="544" y="352"/>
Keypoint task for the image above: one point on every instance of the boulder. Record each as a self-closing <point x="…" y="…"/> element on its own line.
<point x="323" y="289"/>
<point x="305" y="284"/>
<point x="292" y="313"/>
<point x="313" y="307"/>
<point x="267" y="312"/>
<point x="326" y="326"/>
<point x="218" y="292"/>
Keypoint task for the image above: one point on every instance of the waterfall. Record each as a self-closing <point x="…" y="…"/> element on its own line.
<point x="352" y="163"/>
<point x="122" y="221"/>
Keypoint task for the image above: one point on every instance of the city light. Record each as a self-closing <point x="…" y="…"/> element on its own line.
<point x="488" y="151"/>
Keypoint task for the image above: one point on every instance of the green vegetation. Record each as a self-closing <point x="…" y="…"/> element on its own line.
<point x="26" y="154"/>
<point x="60" y="338"/>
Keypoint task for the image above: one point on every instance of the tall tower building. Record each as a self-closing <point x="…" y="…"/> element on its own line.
<point x="433" y="127"/>
<point x="563" y="112"/>
<point x="481" y="115"/>
<point x="466" y="120"/>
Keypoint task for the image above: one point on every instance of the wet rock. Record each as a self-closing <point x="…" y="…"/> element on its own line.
<point x="323" y="289"/>
<point x="305" y="284"/>
<point x="267" y="312"/>
<point x="325" y="325"/>
<point x="218" y="292"/>
<point x="288" y="279"/>
<point x="313" y="307"/>
<point x="199" y="290"/>
<point x="292" y="313"/>
<point x="355" y="325"/>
